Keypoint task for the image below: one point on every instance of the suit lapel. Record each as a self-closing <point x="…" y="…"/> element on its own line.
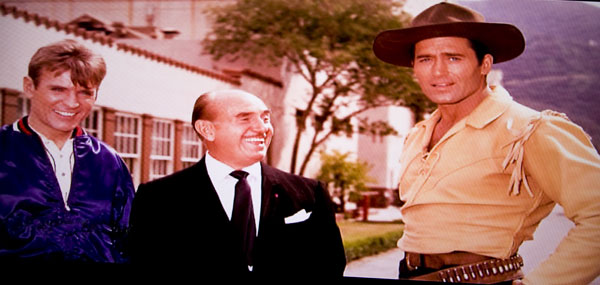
<point x="270" y="193"/>
<point x="209" y="199"/>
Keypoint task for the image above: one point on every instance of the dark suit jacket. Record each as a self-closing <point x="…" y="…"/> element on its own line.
<point x="178" y="223"/>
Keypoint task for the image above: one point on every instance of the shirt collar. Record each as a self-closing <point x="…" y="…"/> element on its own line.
<point x="220" y="170"/>
<point x="490" y="108"/>
<point x="486" y="112"/>
<point x="22" y="126"/>
<point x="67" y="146"/>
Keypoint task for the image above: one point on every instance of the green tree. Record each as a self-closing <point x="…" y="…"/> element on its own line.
<point x="346" y="178"/>
<point x="329" y="43"/>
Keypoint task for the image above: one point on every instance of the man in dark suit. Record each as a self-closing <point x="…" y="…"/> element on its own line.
<point x="190" y="220"/>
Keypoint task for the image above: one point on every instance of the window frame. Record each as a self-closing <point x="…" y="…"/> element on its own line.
<point x="158" y="141"/>
<point x="135" y="157"/>
<point x="189" y="140"/>
<point x="98" y="130"/>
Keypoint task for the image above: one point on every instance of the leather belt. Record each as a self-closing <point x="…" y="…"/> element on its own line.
<point x="465" y="267"/>
<point x="438" y="261"/>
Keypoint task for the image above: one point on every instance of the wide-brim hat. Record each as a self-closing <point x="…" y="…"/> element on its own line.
<point x="503" y="41"/>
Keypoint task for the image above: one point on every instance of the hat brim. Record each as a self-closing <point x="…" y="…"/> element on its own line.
<point x="504" y="41"/>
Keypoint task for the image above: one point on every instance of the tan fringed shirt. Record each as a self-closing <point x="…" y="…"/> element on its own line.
<point x="487" y="184"/>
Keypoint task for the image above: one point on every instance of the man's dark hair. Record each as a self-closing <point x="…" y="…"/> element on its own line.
<point x="480" y="50"/>
<point x="201" y="110"/>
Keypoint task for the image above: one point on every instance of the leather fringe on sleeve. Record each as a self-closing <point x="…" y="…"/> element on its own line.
<point x="516" y="152"/>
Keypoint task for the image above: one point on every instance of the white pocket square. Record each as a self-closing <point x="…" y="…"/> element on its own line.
<point x="299" y="216"/>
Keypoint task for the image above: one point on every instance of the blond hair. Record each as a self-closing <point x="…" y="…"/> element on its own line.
<point x="87" y="68"/>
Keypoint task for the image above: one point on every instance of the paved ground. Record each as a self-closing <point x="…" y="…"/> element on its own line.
<point x="546" y="238"/>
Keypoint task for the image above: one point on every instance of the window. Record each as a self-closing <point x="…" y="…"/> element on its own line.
<point x="128" y="138"/>
<point x="162" y="148"/>
<point x="191" y="147"/>
<point x="93" y="123"/>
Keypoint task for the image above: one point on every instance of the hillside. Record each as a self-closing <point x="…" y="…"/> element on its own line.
<point x="560" y="68"/>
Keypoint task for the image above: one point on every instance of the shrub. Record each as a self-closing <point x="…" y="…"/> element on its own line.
<point x="367" y="246"/>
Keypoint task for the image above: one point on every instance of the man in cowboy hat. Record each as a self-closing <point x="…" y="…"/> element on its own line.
<point x="480" y="174"/>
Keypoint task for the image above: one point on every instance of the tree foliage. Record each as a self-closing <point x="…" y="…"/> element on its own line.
<point x="343" y="176"/>
<point x="327" y="42"/>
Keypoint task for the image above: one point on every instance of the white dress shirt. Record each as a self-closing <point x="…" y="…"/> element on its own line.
<point x="62" y="161"/>
<point x="225" y="185"/>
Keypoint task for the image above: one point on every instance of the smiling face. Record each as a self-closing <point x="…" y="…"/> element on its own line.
<point x="448" y="71"/>
<point x="57" y="104"/>
<point x="239" y="131"/>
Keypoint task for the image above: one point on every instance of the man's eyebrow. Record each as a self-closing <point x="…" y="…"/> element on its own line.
<point x="453" y="54"/>
<point x="445" y="54"/>
<point x="243" y="114"/>
<point x="423" y="55"/>
<point x="247" y="114"/>
<point x="56" y="86"/>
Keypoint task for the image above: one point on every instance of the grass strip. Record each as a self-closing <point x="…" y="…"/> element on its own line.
<point x="368" y="238"/>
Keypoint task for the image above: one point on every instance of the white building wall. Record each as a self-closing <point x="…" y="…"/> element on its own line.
<point x="19" y="42"/>
<point x="136" y="84"/>
<point x="402" y="120"/>
<point x="383" y="153"/>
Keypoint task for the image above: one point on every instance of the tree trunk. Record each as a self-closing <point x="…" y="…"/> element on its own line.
<point x="343" y="200"/>
<point x="295" y="149"/>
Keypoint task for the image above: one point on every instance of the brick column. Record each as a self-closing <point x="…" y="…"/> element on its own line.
<point x="147" y="122"/>
<point x="11" y="110"/>
<point x="177" y="164"/>
<point x="108" y="126"/>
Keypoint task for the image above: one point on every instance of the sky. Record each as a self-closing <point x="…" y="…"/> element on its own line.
<point x="414" y="7"/>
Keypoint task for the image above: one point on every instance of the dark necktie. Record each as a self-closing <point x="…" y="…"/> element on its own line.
<point x="242" y="217"/>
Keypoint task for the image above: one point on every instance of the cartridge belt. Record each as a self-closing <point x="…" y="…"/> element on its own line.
<point x="465" y="267"/>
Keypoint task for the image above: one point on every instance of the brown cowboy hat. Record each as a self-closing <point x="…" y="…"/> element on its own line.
<point x="504" y="41"/>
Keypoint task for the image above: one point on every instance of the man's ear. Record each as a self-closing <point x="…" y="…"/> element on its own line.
<point x="206" y="129"/>
<point x="486" y="64"/>
<point x="28" y="86"/>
